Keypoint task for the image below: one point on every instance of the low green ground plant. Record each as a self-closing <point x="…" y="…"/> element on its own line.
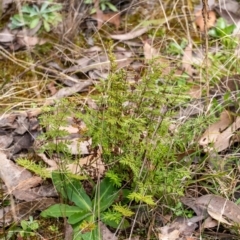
<point x="83" y="212"/>
<point x="32" y="15"/>
<point x="131" y="125"/>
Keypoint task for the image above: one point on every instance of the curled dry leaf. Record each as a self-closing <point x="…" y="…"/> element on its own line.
<point x="211" y="135"/>
<point x="211" y="19"/>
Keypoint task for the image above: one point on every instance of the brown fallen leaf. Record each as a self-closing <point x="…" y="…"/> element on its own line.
<point x="18" y="178"/>
<point x="187" y="60"/>
<point x="211" y="19"/>
<point x="180" y="227"/>
<point x="218" y="207"/>
<point x="213" y="132"/>
<point x="209" y="223"/>
<point x="195" y="91"/>
<point x="88" y="165"/>
<point x="131" y="35"/>
<point x="227" y="138"/>
<point x="218" y="216"/>
<point x="113" y="18"/>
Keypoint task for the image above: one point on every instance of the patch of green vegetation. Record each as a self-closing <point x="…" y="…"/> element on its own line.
<point x="132" y="128"/>
<point x="86" y="211"/>
<point x="103" y="5"/>
<point x="31" y="16"/>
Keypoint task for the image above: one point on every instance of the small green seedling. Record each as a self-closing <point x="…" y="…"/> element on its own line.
<point x="222" y="29"/>
<point x="32" y="15"/>
<point x="29" y="227"/>
<point x="176" y="49"/>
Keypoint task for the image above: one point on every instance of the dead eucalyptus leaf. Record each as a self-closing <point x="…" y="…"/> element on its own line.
<point x="215" y="205"/>
<point x="131" y="35"/>
<point x="16" y="177"/>
<point x="216" y="129"/>
<point x="227" y="138"/>
<point x="218" y="216"/>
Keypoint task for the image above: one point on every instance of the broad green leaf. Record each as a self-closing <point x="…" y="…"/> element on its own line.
<point x="44" y="6"/>
<point x="78" y="195"/>
<point x="111" y="7"/>
<point x="72" y="189"/>
<point x="221" y="23"/>
<point x="26" y="9"/>
<point x="34" y="23"/>
<point x="60" y="182"/>
<point x="78" y="217"/>
<point x="105" y="194"/>
<point x="46" y="26"/>
<point x="45" y="16"/>
<point x="229" y="29"/>
<point x="103" y="6"/>
<point x="93" y="235"/>
<point x="60" y="210"/>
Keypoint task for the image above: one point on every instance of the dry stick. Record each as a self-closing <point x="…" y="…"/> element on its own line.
<point x="164" y="14"/>
<point x="205" y="20"/>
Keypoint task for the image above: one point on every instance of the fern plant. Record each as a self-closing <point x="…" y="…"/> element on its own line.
<point x="132" y="127"/>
